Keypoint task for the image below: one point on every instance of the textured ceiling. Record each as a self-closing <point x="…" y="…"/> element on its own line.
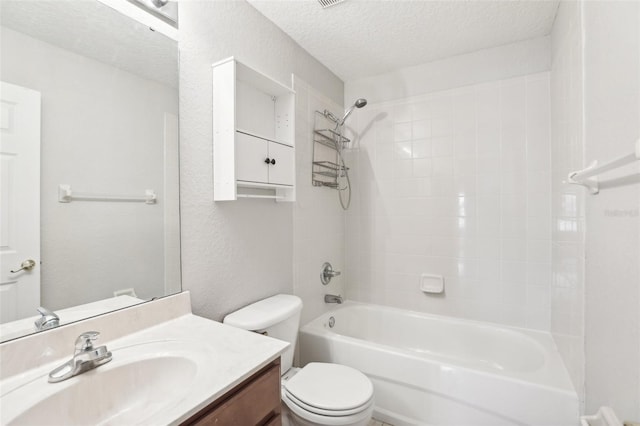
<point x="359" y="38"/>
<point x="94" y="30"/>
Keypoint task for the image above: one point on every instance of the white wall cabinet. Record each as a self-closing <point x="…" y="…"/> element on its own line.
<point x="263" y="161"/>
<point x="253" y="134"/>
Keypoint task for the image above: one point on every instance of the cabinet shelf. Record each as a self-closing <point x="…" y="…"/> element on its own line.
<point x="256" y="135"/>
<point x="270" y="197"/>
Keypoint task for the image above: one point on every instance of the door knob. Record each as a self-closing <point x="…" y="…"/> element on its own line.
<point x="27" y="265"/>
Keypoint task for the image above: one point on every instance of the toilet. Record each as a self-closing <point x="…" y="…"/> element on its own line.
<point x="319" y="393"/>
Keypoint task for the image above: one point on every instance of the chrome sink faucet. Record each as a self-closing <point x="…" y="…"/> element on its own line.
<point x="332" y="298"/>
<point x="85" y="357"/>
<point x="47" y="320"/>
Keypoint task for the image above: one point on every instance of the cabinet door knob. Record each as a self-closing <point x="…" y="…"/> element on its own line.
<point x="267" y="160"/>
<point x="273" y="161"/>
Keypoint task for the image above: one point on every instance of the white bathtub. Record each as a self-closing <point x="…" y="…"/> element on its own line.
<point x="434" y="370"/>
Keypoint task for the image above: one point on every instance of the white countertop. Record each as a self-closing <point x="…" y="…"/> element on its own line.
<point x="235" y="356"/>
<point x="225" y="356"/>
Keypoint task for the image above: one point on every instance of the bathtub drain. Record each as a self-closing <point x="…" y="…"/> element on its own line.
<point x="332" y="322"/>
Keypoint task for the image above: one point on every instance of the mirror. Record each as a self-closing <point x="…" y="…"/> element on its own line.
<point x="89" y="163"/>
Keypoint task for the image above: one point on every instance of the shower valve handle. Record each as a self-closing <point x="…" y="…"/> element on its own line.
<point x="267" y="160"/>
<point x="327" y="273"/>
<point x="273" y="161"/>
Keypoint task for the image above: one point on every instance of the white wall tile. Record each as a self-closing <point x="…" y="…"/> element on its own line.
<point x="421" y="129"/>
<point x="565" y="91"/>
<point x="462" y="198"/>
<point x="421" y="148"/>
<point x="402" y="132"/>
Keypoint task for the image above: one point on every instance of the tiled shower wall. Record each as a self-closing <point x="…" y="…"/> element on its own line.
<point x="455" y="183"/>
<point x="568" y="209"/>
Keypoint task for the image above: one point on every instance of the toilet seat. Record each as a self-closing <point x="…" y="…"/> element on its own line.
<point x="309" y="418"/>
<point x="330" y="390"/>
<point x="331" y="413"/>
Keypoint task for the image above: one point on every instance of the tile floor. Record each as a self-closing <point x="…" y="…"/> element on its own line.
<point x="375" y="422"/>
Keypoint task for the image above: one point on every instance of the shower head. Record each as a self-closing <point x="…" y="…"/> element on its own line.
<point x="359" y="103"/>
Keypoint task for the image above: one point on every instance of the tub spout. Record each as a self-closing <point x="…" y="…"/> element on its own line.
<point x="331" y="298"/>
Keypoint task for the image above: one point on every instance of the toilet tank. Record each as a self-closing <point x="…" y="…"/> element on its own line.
<point x="278" y="316"/>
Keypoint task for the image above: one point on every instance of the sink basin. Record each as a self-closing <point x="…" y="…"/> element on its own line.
<point x="143" y="378"/>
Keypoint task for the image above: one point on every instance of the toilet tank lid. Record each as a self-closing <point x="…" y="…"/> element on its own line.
<point x="265" y="313"/>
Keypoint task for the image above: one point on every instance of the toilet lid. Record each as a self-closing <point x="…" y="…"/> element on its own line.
<point x="291" y="401"/>
<point x="330" y="387"/>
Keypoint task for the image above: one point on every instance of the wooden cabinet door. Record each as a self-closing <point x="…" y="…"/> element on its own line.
<point x="256" y="402"/>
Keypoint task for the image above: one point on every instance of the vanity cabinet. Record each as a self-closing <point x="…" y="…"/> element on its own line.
<point x="253" y="134"/>
<point x="256" y="401"/>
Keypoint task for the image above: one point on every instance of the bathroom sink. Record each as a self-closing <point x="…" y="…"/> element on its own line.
<point x="140" y="382"/>
<point x="167" y="366"/>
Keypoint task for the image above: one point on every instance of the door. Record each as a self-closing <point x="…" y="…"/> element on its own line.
<point x="251" y="159"/>
<point x="281" y="170"/>
<point x="19" y="201"/>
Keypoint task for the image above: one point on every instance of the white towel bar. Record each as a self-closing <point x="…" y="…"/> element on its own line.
<point x="587" y="177"/>
<point x="66" y="195"/>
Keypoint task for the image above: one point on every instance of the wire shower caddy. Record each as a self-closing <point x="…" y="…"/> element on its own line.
<point x="327" y="146"/>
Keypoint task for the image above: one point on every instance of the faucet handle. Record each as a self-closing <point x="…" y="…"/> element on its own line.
<point x="327" y="273"/>
<point x="84" y="342"/>
<point x="46" y="312"/>
<point x="48" y="319"/>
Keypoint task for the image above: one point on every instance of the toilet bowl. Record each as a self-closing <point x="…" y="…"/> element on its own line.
<point x="327" y="394"/>
<point x="319" y="393"/>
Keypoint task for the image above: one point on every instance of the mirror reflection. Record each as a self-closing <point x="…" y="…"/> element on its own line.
<point x="89" y="218"/>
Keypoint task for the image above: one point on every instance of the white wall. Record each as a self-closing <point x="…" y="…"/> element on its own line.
<point x="95" y="139"/>
<point x="317" y="216"/>
<point x="456" y="183"/>
<point x="596" y="241"/>
<point x="233" y="253"/>
<point x="612" y="125"/>
<point x="498" y="63"/>
<point x="568" y="216"/>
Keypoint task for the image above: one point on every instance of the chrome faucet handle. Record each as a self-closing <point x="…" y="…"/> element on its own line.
<point x="84" y="342"/>
<point x="327" y="273"/>
<point x="48" y="319"/>
<point x="46" y="312"/>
